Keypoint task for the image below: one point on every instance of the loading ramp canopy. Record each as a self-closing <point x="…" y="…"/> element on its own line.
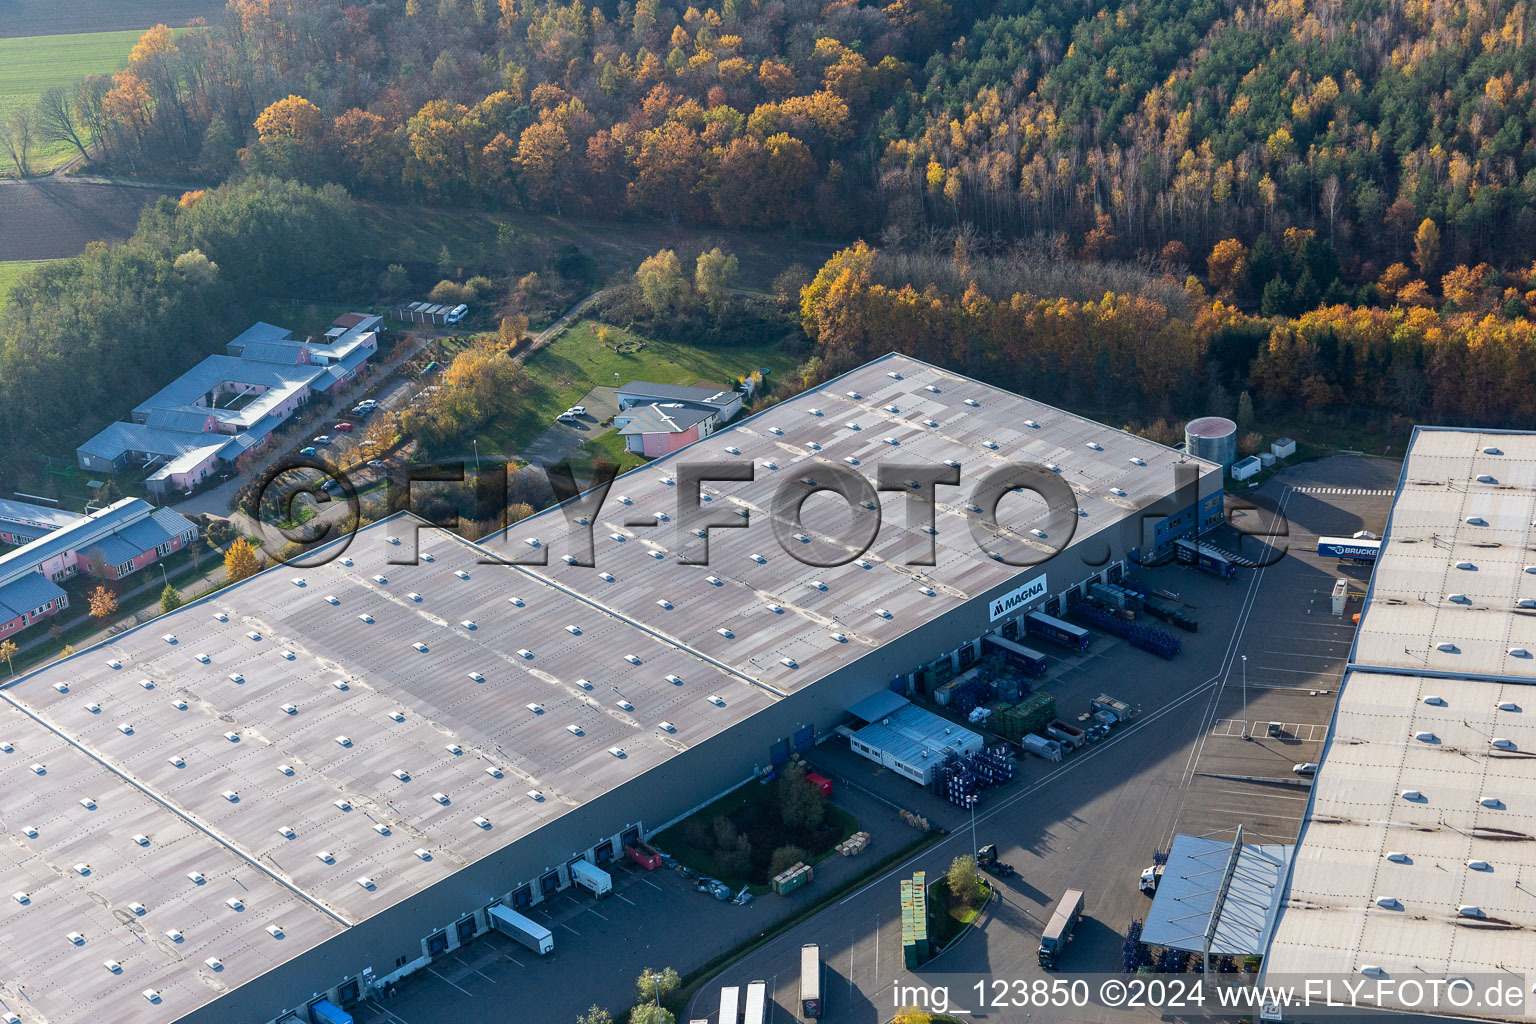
<point x="1218" y="888"/>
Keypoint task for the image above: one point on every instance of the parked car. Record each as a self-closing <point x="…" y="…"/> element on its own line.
<point x="567" y="416"/>
<point x="367" y="403"/>
<point x="375" y="463"/>
<point x="323" y="439"/>
<point x="307" y="451"/>
<point x="1308" y="768"/>
<point x="345" y="428"/>
<point x="578" y="410"/>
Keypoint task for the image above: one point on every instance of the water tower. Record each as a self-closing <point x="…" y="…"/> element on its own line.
<point x="1213" y="438"/>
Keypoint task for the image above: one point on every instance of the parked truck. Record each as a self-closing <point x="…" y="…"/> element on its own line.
<point x="1116" y="711"/>
<point x="1058" y="932"/>
<point x="327" y="1012"/>
<point x="1069" y="736"/>
<point x="591" y="877"/>
<point x="521" y="929"/>
<point x="810" y="981"/>
<point x="1203" y="557"/>
<point x="1041" y="747"/>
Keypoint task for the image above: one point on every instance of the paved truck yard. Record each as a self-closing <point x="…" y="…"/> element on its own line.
<point x="1092" y="821"/>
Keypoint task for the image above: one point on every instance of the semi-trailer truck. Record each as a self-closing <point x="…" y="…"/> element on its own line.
<point x="1058" y="932"/>
<point x="810" y="981"/>
<point x="591" y="877"/>
<point x="1203" y="557"/>
<point x="521" y="929"/>
<point x="1069" y="636"/>
<point x="757" y="1003"/>
<point x="730" y="1004"/>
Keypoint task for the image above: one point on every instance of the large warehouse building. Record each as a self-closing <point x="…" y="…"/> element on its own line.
<point x="317" y="780"/>
<point x="1416" y="858"/>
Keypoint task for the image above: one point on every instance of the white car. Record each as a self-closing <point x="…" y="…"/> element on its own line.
<point x="1308" y="768"/>
<point x="566" y="416"/>
<point x="375" y="464"/>
<point x="323" y="439"/>
<point x="578" y="410"/>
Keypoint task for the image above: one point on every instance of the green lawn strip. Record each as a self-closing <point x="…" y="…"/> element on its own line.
<point x="560" y="373"/>
<point x="11" y="272"/>
<point x="946" y="919"/>
<point x="695" y="979"/>
<point x="31" y="65"/>
<point x="305" y="319"/>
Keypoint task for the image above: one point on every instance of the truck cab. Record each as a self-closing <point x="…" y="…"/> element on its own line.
<point x="1150" y="876"/>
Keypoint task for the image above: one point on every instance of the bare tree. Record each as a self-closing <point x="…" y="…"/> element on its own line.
<point x="1332" y="200"/>
<point x="56" y="120"/>
<point x="18" y="141"/>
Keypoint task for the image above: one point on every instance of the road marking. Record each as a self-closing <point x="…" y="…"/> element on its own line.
<point x="388" y="1013"/>
<point x="653" y="885"/>
<point x="514" y="960"/>
<point x="461" y="988"/>
<point x="595" y="913"/>
<point x="487" y="977"/>
<point x="568" y="928"/>
<point x="626" y="899"/>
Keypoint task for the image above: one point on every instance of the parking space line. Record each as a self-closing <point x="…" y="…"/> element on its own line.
<point x="514" y="960"/>
<point x="487" y="977"/>
<point x="439" y="977"/>
<point x="595" y="913"/>
<point x="653" y="885"/>
<point x="387" y="1012"/>
<point x="626" y="899"/>
<point x="568" y="928"/>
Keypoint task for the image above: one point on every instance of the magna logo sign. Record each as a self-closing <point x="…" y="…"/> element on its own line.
<point x="1018" y="597"/>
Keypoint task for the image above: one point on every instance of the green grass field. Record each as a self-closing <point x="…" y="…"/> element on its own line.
<point x="567" y="368"/>
<point x="30" y="66"/>
<point x="11" y="271"/>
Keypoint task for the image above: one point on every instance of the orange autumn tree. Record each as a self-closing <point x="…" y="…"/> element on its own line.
<point x="293" y="118"/>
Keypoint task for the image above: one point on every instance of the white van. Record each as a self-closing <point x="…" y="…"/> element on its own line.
<point x="457" y="313"/>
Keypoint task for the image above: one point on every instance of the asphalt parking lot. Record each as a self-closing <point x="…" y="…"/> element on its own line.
<point x="1092" y="821"/>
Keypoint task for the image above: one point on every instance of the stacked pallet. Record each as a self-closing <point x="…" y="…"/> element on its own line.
<point x="914" y="919"/>
<point x="853" y="844"/>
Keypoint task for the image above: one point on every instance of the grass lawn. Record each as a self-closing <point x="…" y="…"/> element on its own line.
<point x="32" y="65"/>
<point x="560" y="373"/>
<point x="947" y="916"/>
<point x="610" y="448"/>
<point x="753" y="809"/>
<point x="11" y="271"/>
<point x="303" y="318"/>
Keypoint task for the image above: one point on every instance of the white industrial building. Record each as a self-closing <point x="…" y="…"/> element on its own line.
<point x="1417" y="856"/>
<point x="315" y="781"/>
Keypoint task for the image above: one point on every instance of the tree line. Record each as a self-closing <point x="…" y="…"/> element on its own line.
<point x="1112" y="131"/>
<point x="83" y="340"/>
<point x="1151" y="352"/>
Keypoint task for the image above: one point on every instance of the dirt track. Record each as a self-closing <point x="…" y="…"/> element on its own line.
<point x="53" y="17"/>
<point x="49" y="218"/>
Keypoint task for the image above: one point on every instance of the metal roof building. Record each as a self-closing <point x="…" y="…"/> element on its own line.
<point x="1416" y="855"/>
<point x="372" y="752"/>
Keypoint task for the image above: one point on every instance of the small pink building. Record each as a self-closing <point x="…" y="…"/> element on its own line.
<point x="656" y="430"/>
<point x="111" y="543"/>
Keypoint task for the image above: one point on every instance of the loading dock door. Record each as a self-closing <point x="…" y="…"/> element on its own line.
<point x="805" y="738"/>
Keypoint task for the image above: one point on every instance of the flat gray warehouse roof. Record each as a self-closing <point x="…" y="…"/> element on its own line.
<point x="333" y="740"/>
<point x="1416" y="854"/>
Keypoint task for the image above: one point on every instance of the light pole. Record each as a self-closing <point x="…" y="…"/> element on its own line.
<point x="1245" y="698"/>
<point x="656" y="982"/>
<point x="974" y="847"/>
<point x="477" y="455"/>
<point x="163" y="577"/>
